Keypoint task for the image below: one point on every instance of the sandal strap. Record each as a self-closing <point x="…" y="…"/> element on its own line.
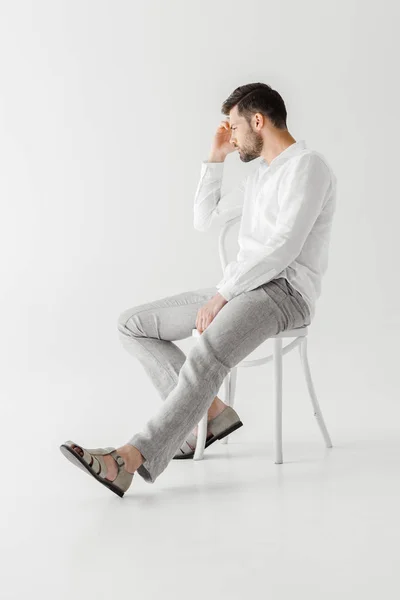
<point x="118" y="458"/>
<point x="87" y="456"/>
<point x="101" y="451"/>
<point x="86" y="453"/>
<point x="99" y="466"/>
<point x="94" y="457"/>
<point x="123" y="479"/>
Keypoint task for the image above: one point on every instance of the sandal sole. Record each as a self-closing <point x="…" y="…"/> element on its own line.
<point x="78" y="461"/>
<point x="212" y="440"/>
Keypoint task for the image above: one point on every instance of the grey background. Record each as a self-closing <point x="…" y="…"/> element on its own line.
<point x="106" y="112"/>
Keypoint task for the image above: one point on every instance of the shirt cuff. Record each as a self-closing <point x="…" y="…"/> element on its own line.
<point x="226" y="291"/>
<point x="212" y="169"/>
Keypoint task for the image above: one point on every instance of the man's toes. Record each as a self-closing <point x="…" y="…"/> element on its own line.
<point x="78" y="450"/>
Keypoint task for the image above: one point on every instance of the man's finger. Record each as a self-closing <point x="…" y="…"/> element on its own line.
<point x="206" y="323"/>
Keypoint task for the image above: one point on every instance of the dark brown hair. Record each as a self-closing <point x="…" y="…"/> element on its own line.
<point x="257" y="97"/>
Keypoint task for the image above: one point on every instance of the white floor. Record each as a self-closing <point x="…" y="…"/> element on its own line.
<point x="324" y="524"/>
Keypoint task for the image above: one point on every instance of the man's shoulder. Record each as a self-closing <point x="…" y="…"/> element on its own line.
<point x="314" y="157"/>
<point x="322" y="158"/>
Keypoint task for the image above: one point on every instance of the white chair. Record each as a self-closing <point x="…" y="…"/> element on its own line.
<point x="300" y="335"/>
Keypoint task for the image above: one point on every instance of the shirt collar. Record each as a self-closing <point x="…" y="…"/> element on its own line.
<point x="291" y="150"/>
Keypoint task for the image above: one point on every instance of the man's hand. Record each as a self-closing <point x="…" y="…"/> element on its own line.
<point x="221" y="145"/>
<point x="207" y="312"/>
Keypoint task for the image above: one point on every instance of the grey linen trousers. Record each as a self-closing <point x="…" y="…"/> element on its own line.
<point x="189" y="383"/>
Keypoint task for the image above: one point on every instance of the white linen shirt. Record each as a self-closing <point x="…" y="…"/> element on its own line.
<point x="287" y="207"/>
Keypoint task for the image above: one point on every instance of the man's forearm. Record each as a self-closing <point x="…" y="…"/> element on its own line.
<point x="215" y="157"/>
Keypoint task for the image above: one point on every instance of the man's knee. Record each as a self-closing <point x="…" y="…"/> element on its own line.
<point x="129" y="323"/>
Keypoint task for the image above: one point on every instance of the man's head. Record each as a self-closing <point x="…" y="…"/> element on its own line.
<point x="256" y="113"/>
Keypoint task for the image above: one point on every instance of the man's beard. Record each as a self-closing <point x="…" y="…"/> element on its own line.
<point x="255" y="148"/>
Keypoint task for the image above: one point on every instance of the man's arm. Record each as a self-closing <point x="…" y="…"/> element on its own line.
<point x="301" y="197"/>
<point x="208" y="196"/>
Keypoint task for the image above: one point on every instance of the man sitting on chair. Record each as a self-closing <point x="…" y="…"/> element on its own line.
<point x="287" y="207"/>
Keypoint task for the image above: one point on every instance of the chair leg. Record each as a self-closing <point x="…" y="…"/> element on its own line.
<point x="311" y="389"/>
<point x="230" y="390"/>
<point x="232" y="386"/>
<point x="201" y="438"/>
<point x="227" y="386"/>
<point x="277" y="392"/>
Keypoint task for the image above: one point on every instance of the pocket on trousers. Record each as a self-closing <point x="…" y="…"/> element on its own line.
<point x="301" y="303"/>
<point x="276" y="289"/>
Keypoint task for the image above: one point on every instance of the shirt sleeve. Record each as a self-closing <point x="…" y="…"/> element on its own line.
<point x="208" y="196"/>
<point x="301" y="197"/>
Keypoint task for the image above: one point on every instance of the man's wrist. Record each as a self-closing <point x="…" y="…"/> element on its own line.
<point x="216" y="157"/>
<point x="225" y="300"/>
<point x="226" y="291"/>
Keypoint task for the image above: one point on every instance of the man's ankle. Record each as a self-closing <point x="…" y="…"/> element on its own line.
<point x="216" y="408"/>
<point x="132" y="456"/>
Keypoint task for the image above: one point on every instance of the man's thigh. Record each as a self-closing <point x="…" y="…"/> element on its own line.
<point x="249" y="319"/>
<point x="168" y="318"/>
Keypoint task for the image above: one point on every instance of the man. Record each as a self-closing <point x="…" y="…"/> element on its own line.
<point x="287" y="209"/>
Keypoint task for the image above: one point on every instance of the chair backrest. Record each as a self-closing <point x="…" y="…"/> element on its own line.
<point x="222" y="240"/>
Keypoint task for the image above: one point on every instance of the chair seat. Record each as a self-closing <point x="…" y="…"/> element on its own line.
<point x="296" y="332"/>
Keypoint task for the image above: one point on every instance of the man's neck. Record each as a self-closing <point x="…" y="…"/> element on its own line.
<point x="276" y="145"/>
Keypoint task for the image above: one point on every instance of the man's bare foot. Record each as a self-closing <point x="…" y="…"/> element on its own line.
<point x="131" y="455"/>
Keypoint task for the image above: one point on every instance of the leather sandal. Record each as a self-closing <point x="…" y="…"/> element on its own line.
<point x="219" y="427"/>
<point x="91" y="461"/>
